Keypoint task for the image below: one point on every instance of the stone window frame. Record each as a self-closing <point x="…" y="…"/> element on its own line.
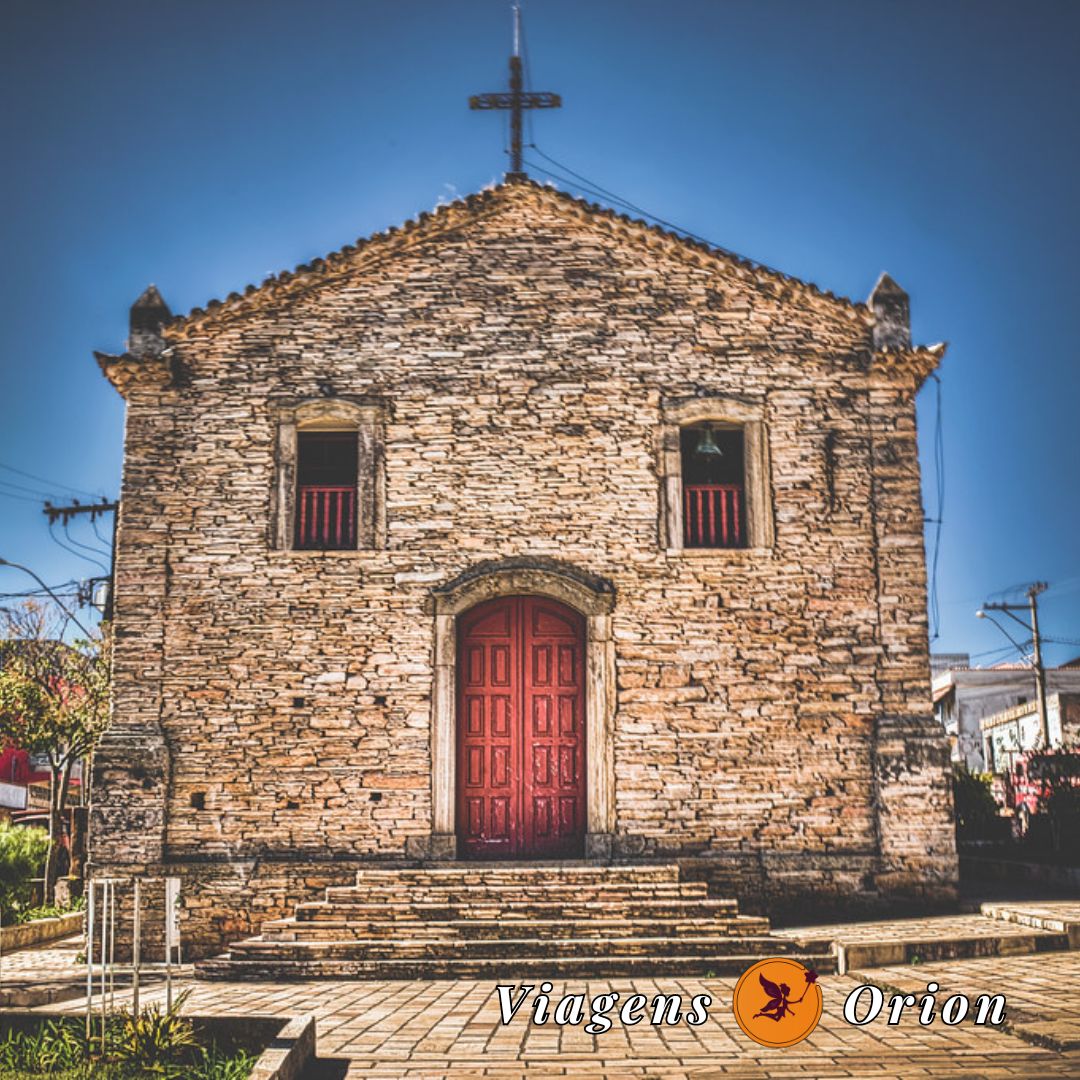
<point x="749" y="416"/>
<point x="592" y="599"/>
<point x="330" y="414"/>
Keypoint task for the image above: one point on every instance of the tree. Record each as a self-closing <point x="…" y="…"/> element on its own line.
<point x="54" y="700"/>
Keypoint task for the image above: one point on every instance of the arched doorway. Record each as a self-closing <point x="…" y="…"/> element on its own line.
<point x="521" y="730"/>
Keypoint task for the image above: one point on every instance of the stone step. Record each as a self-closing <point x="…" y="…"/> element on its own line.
<point x="457" y="893"/>
<point x="534" y="969"/>
<point x="1055" y="916"/>
<point x="886" y="943"/>
<point x="453" y="949"/>
<point x="517" y="873"/>
<point x="519" y="909"/>
<point x="495" y="929"/>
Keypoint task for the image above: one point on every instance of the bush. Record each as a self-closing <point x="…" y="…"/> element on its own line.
<point x="22" y="858"/>
<point x="155" y="1044"/>
<point x="50" y="911"/>
<point x="976" y="810"/>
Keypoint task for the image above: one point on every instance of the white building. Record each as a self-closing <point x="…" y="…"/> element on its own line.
<point x="965" y="696"/>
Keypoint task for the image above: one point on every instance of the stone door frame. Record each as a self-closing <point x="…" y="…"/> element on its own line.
<point x="591" y="597"/>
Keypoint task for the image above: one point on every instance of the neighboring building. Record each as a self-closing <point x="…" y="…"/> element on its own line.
<point x="1015" y="731"/>
<point x="525" y="530"/>
<point x="965" y="696"/>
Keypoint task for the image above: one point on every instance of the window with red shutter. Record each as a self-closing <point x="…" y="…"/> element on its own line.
<point x="326" y="487"/>
<point x="714" y="485"/>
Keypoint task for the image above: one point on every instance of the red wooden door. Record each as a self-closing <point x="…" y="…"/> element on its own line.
<point x="521" y="729"/>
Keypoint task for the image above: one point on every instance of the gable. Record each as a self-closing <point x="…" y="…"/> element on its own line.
<point x="526" y="207"/>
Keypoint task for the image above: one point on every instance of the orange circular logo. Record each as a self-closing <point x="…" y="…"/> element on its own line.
<point x="777" y="1002"/>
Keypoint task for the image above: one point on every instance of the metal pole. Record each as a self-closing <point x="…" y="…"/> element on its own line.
<point x="104" y="953"/>
<point x="168" y="948"/>
<point x="89" y="957"/>
<point x="112" y="949"/>
<point x="1040" y="671"/>
<point x="515" y="115"/>
<point x="136" y="948"/>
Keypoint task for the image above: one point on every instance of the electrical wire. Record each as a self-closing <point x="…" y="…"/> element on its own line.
<point x="28" y="490"/>
<point x="85" y="547"/>
<point x="56" y="539"/>
<point x="21" y="498"/>
<point x="584" y="183"/>
<point x="939" y="520"/>
<point x="49" y="483"/>
<point x="591" y="186"/>
<point x="107" y="543"/>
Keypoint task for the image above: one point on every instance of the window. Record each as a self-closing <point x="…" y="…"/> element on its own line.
<point x="714" y="469"/>
<point x="329" y="476"/>
<point x="325" y="513"/>
<point x="713" y="484"/>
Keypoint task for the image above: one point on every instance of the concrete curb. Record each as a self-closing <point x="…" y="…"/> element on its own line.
<point x="39" y="931"/>
<point x="289" y="1053"/>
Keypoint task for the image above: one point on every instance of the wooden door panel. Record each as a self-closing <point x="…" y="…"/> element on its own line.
<point x="521" y="736"/>
<point x="553" y="641"/>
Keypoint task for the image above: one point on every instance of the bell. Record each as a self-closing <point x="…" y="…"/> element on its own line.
<point x="706" y="446"/>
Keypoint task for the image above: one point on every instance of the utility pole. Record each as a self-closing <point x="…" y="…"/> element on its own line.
<point x="1032" y="607"/>
<point x="1040" y="671"/>
<point x="66" y="513"/>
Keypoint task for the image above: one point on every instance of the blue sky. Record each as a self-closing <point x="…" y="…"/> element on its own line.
<point x="203" y="145"/>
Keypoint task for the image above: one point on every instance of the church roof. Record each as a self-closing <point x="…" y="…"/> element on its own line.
<point x="452" y="216"/>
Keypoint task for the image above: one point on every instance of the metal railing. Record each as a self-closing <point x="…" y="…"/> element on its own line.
<point x="713" y="516"/>
<point x="325" y="517"/>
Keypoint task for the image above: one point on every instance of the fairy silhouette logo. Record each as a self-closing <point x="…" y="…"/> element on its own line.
<point x="764" y="1007"/>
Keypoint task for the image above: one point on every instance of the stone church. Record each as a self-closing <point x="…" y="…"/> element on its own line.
<point x="523" y="536"/>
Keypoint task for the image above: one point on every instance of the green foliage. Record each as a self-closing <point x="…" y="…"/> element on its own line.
<point x="50" y="911"/>
<point x="22" y="858"/>
<point x="54" y="694"/>
<point x="156" y="1040"/>
<point x="53" y="1048"/>
<point x="155" y="1043"/>
<point x="1059" y="771"/>
<point x="976" y="810"/>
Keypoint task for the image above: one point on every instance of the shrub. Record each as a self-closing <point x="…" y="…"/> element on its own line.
<point x="50" y="911"/>
<point x="976" y="810"/>
<point x="22" y="858"/>
<point x="156" y="1041"/>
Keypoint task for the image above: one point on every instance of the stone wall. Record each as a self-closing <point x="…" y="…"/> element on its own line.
<point x="518" y="352"/>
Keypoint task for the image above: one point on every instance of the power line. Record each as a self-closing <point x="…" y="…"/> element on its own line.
<point x="591" y="186"/>
<point x="78" y="544"/>
<point x="29" y="490"/>
<point x="939" y="520"/>
<point x="50" y="483"/>
<point x="87" y="558"/>
<point x="21" y="498"/>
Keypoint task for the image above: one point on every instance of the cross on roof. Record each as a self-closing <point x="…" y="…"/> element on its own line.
<point x="516" y="100"/>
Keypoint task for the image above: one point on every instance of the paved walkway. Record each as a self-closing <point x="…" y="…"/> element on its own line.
<point x="451" y="1028"/>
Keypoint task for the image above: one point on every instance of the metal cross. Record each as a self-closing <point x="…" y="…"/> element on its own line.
<point x="516" y="100"/>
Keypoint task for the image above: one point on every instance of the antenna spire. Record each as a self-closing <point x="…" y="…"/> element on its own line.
<point x="517" y="100"/>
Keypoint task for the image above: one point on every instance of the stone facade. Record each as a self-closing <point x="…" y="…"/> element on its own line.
<point x="517" y="365"/>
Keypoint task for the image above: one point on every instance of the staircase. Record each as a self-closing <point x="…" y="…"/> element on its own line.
<point x="509" y="920"/>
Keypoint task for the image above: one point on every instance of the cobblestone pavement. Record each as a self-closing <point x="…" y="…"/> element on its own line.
<point x="451" y="1028"/>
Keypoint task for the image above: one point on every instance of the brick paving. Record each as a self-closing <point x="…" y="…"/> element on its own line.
<point x="451" y="1029"/>
<point x="1042" y="991"/>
